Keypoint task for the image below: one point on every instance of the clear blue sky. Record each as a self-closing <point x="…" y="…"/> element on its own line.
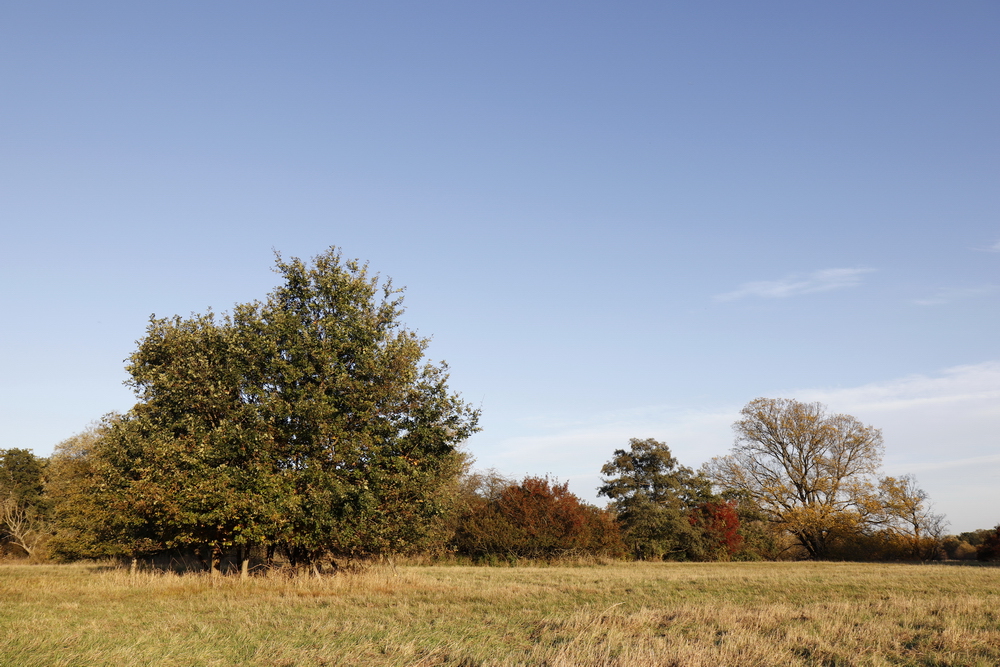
<point x="615" y="219"/>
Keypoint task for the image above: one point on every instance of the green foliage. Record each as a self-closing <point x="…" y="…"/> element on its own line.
<point x="83" y="527"/>
<point x="654" y="498"/>
<point x="24" y="509"/>
<point x="306" y="422"/>
<point x="189" y="465"/>
<point x="21" y="476"/>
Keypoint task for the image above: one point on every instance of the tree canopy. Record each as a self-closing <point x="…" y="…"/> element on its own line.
<point x="814" y="475"/>
<point x="655" y="498"/>
<point x="307" y="422"/>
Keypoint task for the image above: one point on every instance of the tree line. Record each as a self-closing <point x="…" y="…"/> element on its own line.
<point x="308" y="427"/>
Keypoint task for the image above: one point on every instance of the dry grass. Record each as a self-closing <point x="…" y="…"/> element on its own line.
<point x="625" y="614"/>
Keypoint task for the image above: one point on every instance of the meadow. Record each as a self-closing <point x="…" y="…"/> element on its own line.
<point x="680" y="614"/>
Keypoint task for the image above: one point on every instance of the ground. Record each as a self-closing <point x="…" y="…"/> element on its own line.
<point x="628" y="614"/>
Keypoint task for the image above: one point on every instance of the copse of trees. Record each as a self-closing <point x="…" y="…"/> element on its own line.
<point x="152" y="481"/>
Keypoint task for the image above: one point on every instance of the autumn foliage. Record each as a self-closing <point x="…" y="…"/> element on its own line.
<point x="534" y="518"/>
<point x="989" y="549"/>
<point x="719" y="524"/>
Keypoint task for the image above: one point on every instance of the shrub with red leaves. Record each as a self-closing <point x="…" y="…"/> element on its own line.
<point x="720" y="528"/>
<point x="536" y="518"/>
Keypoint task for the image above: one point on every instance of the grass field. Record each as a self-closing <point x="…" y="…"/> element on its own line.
<point x="625" y="614"/>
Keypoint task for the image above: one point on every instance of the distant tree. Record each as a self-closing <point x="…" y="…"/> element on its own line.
<point x="23" y="507"/>
<point x="654" y="498"/>
<point x="975" y="537"/>
<point x="759" y="539"/>
<point x="907" y="519"/>
<point x="21" y="474"/>
<point x="479" y="528"/>
<point x="22" y="525"/>
<point x="718" y="523"/>
<point x="989" y="548"/>
<point x="813" y="476"/>
<point x="82" y="527"/>
<point x="810" y="473"/>
<point x="956" y="548"/>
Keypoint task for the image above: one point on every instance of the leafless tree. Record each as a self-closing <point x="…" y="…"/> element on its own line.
<point x="21" y="524"/>
<point x="811" y="473"/>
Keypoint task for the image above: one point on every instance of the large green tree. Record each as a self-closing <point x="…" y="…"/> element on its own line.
<point x="307" y="422"/>
<point x="364" y="431"/>
<point x="655" y="497"/>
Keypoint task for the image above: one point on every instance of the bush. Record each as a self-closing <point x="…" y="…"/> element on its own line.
<point x="956" y="548"/>
<point x="536" y="518"/>
<point x="989" y="549"/>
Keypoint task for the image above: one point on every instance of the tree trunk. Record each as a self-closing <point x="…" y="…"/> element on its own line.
<point x="134" y="565"/>
<point x="244" y="562"/>
<point x="216" y="557"/>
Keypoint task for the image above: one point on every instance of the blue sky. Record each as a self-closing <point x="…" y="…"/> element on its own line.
<point x="615" y="219"/>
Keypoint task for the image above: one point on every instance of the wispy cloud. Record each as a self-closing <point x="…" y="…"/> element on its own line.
<point x="972" y="385"/>
<point x="995" y="247"/>
<point x="977" y="461"/>
<point x="943" y="296"/>
<point x="819" y="281"/>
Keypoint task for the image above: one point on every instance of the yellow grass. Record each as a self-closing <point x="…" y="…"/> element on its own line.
<point x="625" y="614"/>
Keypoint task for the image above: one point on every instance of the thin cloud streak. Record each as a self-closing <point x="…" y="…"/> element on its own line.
<point x="818" y="281"/>
<point x="955" y="463"/>
<point x="975" y="382"/>
<point x="944" y="296"/>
